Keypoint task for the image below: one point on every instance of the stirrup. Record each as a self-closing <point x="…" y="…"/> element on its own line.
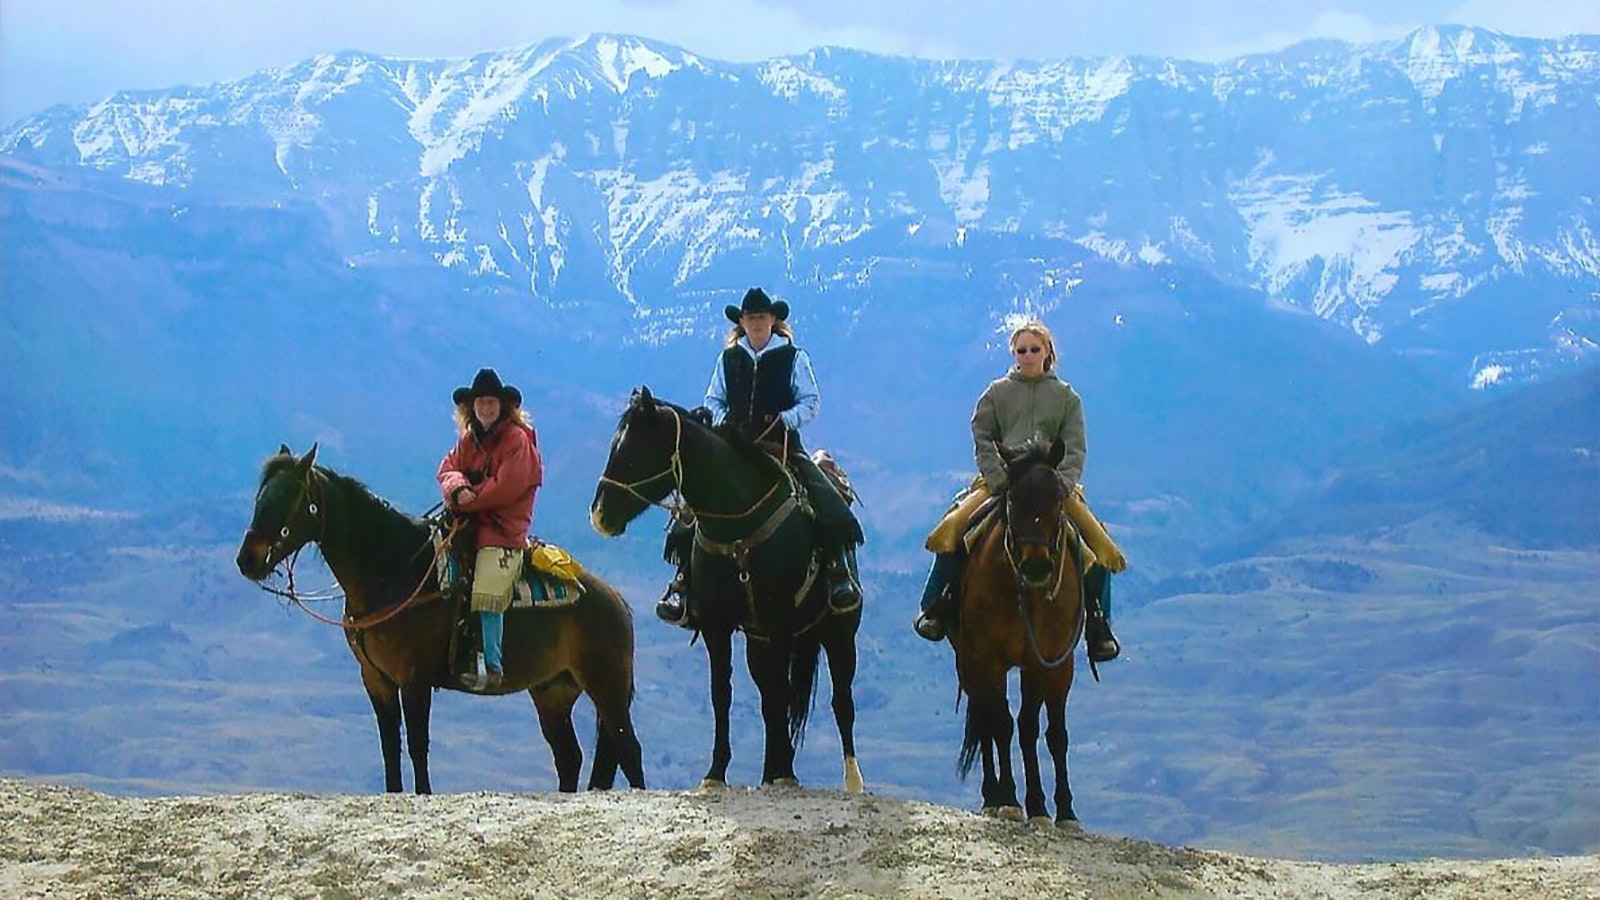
<point x="673" y="607"/>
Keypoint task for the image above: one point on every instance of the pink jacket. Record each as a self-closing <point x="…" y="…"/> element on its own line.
<point x="508" y="471"/>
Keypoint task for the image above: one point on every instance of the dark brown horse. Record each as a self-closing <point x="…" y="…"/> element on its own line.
<point x="400" y="633"/>
<point x="1021" y="608"/>
<point x="753" y="571"/>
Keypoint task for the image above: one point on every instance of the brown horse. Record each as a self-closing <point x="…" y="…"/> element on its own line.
<point x="383" y="560"/>
<point x="1021" y="608"/>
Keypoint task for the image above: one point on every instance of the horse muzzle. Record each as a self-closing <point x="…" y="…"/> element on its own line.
<point x="597" y="519"/>
<point x="254" y="559"/>
<point x="1035" y="572"/>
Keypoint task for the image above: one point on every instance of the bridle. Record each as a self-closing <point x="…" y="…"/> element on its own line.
<point x="275" y="549"/>
<point x="679" y="506"/>
<point x="319" y="513"/>
<point x="737" y="550"/>
<point x="1060" y="560"/>
<point x="1056" y="556"/>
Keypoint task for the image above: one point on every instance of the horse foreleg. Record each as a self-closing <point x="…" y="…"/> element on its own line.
<point x="719" y="653"/>
<point x="416" y="702"/>
<point x="1028" y="743"/>
<point x="769" y="666"/>
<point x="841" y="649"/>
<point x="1056" y="739"/>
<point x="554" y="706"/>
<point x="385" y="697"/>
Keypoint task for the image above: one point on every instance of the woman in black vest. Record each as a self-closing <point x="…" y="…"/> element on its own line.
<point x="762" y="387"/>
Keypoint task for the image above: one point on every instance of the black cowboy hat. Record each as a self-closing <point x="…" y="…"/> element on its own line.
<point x="757" y="301"/>
<point x="487" y="384"/>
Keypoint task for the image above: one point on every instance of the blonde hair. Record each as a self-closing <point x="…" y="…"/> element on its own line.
<point x="1038" y="330"/>
<point x="779" y="326"/>
<point x="463" y="415"/>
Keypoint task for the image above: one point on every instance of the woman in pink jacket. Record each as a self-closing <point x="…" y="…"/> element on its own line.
<point x="492" y="474"/>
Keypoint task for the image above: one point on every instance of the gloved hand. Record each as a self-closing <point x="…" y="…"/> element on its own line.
<point x="702" y="415"/>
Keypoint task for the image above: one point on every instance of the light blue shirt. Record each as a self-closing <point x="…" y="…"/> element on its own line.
<point x="804" y="382"/>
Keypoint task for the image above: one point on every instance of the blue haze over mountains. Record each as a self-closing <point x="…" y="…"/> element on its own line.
<point x="1309" y="297"/>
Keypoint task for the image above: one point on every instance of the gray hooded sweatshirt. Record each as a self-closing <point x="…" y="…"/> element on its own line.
<point x="1014" y="409"/>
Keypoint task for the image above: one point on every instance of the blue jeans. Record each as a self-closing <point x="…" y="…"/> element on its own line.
<point x="493" y="631"/>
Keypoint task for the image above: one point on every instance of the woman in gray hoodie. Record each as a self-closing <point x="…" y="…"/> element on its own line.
<point x="1029" y="401"/>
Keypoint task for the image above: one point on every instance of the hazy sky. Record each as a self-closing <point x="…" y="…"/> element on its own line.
<point x="77" y="51"/>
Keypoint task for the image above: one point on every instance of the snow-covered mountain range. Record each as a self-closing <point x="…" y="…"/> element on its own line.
<point x="1436" y="194"/>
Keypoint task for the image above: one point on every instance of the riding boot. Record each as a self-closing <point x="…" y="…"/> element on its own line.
<point x="1102" y="644"/>
<point x="843" y="592"/>
<point x="673" y="607"/>
<point x="932" y="623"/>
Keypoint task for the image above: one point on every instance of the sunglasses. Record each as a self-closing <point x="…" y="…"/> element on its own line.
<point x="1023" y="351"/>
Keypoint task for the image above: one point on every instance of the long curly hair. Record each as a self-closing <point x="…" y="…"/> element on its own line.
<point x="463" y="416"/>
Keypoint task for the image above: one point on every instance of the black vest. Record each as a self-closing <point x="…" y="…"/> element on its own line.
<point x="757" y="389"/>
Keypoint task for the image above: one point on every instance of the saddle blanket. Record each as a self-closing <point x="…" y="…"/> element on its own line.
<point x="550" y="577"/>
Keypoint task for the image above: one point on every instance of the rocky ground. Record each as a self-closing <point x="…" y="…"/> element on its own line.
<point x="61" y="842"/>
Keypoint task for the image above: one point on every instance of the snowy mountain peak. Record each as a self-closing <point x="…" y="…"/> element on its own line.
<point x="1375" y="185"/>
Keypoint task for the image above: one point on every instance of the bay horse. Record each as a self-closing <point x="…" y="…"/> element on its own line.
<point x="752" y="570"/>
<point x="401" y="636"/>
<point x="1021" y="608"/>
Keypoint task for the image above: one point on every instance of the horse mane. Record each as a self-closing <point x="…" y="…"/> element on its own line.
<point x="275" y="464"/>
<point x="365" y="500"/>
<point x="1030" y="452"/>
<point x="727" y="433"/>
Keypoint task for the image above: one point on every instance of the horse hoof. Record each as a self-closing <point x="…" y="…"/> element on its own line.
<point x="1040" y="821"/>
<point x="1008" y="813"/>
<point x="712" y="784"/>
<point x="853" y="783"/>
<point x="784" y="783"/>
<point x="1069" y="825"/>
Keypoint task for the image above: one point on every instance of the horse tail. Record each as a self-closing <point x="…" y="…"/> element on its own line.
<point x="802" y="686"/>
<point x="971" y="741"/>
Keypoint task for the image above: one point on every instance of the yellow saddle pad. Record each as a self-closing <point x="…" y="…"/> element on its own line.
<point x="548" y="559"/>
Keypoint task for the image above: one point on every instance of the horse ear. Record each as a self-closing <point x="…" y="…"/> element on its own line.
<point x="307" y="461"/>
<point x="283" y="450"/>
<point x="642" y="398"/>
<point x="1058" y="451"/>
